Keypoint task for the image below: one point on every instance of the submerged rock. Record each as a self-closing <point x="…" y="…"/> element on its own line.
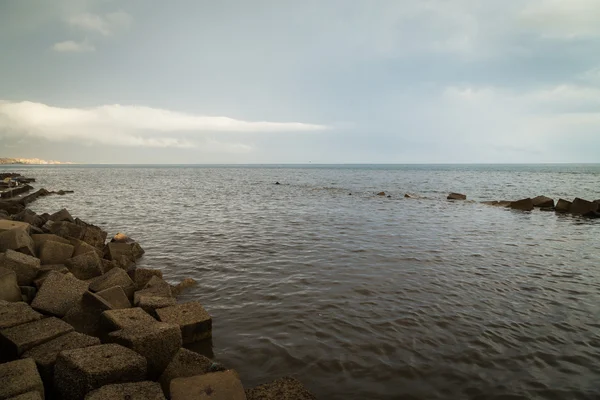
<point x="563" y="206"/>
<point x="523" y="205"/>
<point x="582" y="207"/>
<point x="542" y="201"/>
<point x="456" y="196"/>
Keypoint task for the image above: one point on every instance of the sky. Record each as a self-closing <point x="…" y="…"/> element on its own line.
<point x="321" y="81"/>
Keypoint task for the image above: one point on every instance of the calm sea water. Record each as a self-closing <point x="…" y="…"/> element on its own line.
<point x="364" y="297"/>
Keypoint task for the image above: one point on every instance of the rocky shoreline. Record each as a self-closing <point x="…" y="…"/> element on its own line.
<point x="79" y="319"/>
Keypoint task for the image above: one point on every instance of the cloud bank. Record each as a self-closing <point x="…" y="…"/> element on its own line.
<point x="129" y="125"/>
<point x="71" y="46"/>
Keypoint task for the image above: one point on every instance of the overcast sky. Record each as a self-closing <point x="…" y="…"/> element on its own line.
<point x="325" y="81"/>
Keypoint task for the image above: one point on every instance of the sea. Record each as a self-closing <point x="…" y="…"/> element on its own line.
<point x="361" y="296"/>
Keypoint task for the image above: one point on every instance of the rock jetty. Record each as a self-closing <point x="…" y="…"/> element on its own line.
<point x="79" y="320"/>
<point x="578" y="207"/>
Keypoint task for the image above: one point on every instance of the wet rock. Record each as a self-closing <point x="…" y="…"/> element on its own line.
<point x="581" y="207"/>
<point x="192" y="318"/>
<point x="381" y="194"/>
<point x="181" y="286"/>
<point x="40" y="238"/>
<point x="79" y="371"/>
<point x="225" y="385"/>
<point x="456" y="196"/>
<point x="543" y="202"/>
<point x="141" y="276"/>
<point x="85" y="266"/>
<point x="62" y="215"/>
<point x="563" y="206"/>
<point x="18" y="240"/>
<point x="285" y="388"/>
<point x="128" y="391"/>
<point x="114" y="277"/>
<point x="59" y="294"/>
<point x="26" y="267"/>
<point x="65" y="229"/>
<point x="114" y="320"/>
<point x="18" y="378"/>
<point x="523" y="205"/>
<point x="157" y="342"/>
<point x="184" y="364"/>
<point x="28" y="293"/>
<point x="52" y="252"/>
<point x="546" y="208"/>
<point x="9" y="287"/>
<point x="45" y="354"/>
<point x="13" y="314"/>
<point x="18" y="339"/>
<point x="116" y="297"/>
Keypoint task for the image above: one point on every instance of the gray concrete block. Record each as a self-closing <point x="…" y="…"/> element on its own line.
<point x="141" y="276"/>
<point x="13" y="314"/>
<point x="225" y="385"/>
<point x="26" y="267"/>
<point x="112" y="278"/>
<point x="52" y="252"/>
<point x="40" y="238"/>
<point x="115" y="320"/>
<point x="185" y="363"/>
<point x="62" y="215"/>
<point x="116" y="297"/>
<point x="16" y="340"/>
<point x="192" y="318"/>
<point x="85" y="266"/>
<point x="128" y="391"/>
<point x="77" y="372"/>
<point x="20" y="377"/>
<point x="150" y="303"/>
<point x="59" y="294"/>
<point x="66" y="229"/>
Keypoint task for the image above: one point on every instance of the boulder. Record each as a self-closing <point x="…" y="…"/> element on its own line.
<point x="62" y="215"/>
<point x="150" y="303"/>
<point x="581" y="207"/>
<point x="79" y="371"/>
<point x="20" y="377"/>
<point x="26" y="267"/>
<point x="141" y="276"/>
<point x="185" y="363"/>
<point x="18" y="339"/>
<point x="9" y="287"/>
<point x="158" y="342"/>
<point x="40" y="238"/>
<point x="107" y="265"/>
<point x="29" y="217"/>
<point x="13" y="314"/>
<point x="45" y="354"/>
<point x="128" y="391"/>
<point x="116" y="297"/>
<point x="94" y="236"/>
<point x="542" y="201"/>
<point x="157" y="286"/>
<point x="115" y="250"/>
<point x="114" y="320"/>
<point x="112" y="278"/>
<point x="6" y="225"/>
<point x="45" y="271"/>
<point x="82" y="247"/>
<point x="285" y="388"/>
<point x="85" y="266"/>
<point x="28" y="293"/>
<point x="523" y="205"/>
<point x="592" y="214"/>
<point x="224" y="385"/>
<point x="17" y="239"/>
<point x="181" y="286"/>
<point x="85" y="317"/>
<point x="59" y="294"/>
<point x="52" y="252"/>
<point x="563" y="206"/>
<point x="456" y="196"/>
<point x="65" y="229"/>
<point x="192" y="318"/>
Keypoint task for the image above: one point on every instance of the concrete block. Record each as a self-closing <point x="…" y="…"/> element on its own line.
<point x="563" y="206"/>
<point x="9" y="287"/>
<point x="18" y="339"/>
<point x="192" y="318"/>
<point x="581" y="206"/>
<point x="94" y="236"/>
<point x="17" y="239"/>
<point x="285" y="388"/>
<point x="20" y="377"/>
<point x="28" y="396"/>
<point x="185" y="363"/>
<point x="13" y="314"/>
<point x="40" y="238"/>
<point x="28" y="293"/>
<point x="45" y="354"/>
<point x="157" y="342"/>
<point x="82" y="247"/>
<point x="77" y="372"/>
<point x="225" y="385"/>
<point x="6" y="224"/>
<point x="26" y="267"/>
<point x="85" y="266"/>
<point x="128" y="391"/>
<point x="114" y="250"/>
<point x="66" y="229"/>
<point x="114" y="320"/>
<point x="52" y="252"/>
<point x="45" y="271"/>
<point x="116" y="297"/>
<point x="112" y="278"/>
<point x="59" y="294"/>
<point x="543" y="202"/>
<point x="141" y="276"/>
<point x="150" y="303"/>
<point x="62" y="215"/>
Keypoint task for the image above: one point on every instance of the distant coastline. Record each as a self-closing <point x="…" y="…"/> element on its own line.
<point x="31" y="161"/>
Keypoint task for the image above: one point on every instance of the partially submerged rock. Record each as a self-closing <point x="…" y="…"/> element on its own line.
<point x="224" y="385"/>
<point x="18" y="378"/>
<point x="192" y="318"/>
<point x="285" y="388"/>
<point x="543" y="202"/>
<point x="456" y="196"/>
<point x="582" y="207"/>
<point x="563" y="206"/>
<point x="523" y="205"/>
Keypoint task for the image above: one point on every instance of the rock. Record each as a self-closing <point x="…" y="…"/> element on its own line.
<point x="285" y="388"/>
<point x="28" y="396"/>
<point x="192" y="318"/>
<point x="121" y="238"/>
<point x="128" y="391"/>
<point x="55" y="252"/>
<point x="40" y="238"/>
<point x="581" y="207"/>
<point x="141" y="276"/>
<point x="45" y="271"/>
<point x="28" y="293"/>
<point x="151" y="303"/>
<point x="157" y="342"/>
<point x="6" y="225"/>
<point x="115" y="250"/>
<point x="277" y="183"/>
<point x="496" y="203"/>
<point x="107" y="265"/>
<point x="94" y="236"/>
<point x="18" y="240"/>
<point x="9" y="287"/>
<point x="114" y="277"/>
<point x="45" y="354"/>
<point x="13" y="314"/>
<point x="181" y="286"/>
<point x="20" y="377"/>
<point x="29" y="217"/>
<point x="114" y="320"/>
<point x="59" y="294"/>
<point x="66" y="229"/>
<point x="85" y="266"/>
<point x="185" y="363"/>
<point x="157" y="287"/>
<point x="18" y="339"/>
<point x="225" y="385"/>
<point x="542" y="201"/>
<point x="82" y="247"/>
<point x="62" y="215"/>
<point x="116" y="297"/>
<point x="523" y="205"/>
<point x="592" y="214"/>
<point x="85" y="317"/>
<point x="26" y="267"/>
<point x="79" y="371"/>
<point x="381" y="194"/>
<point x="563" y="206"/>
<point x="456" y="196"/>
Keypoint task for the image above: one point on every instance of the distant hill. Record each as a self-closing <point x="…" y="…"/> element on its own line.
<point x="29" y="161"/>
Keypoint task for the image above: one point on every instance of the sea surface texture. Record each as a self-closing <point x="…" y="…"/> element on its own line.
<point x="368" y="297"/>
